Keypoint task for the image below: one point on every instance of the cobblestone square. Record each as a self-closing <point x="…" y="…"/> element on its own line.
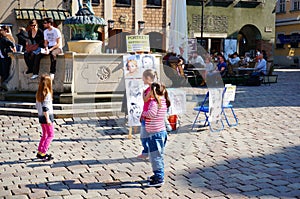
<point x="259" y="158"/>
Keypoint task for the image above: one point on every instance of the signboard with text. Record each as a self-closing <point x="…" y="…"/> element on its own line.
<point x="137" y="43"/>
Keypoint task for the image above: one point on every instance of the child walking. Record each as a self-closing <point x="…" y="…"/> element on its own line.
<point x="45" y="114"/>
<point x="156" y="130"/>
<point x="148" y="78"/>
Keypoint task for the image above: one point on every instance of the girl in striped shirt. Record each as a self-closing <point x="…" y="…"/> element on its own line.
<point x="156" y="129"/>
<point x="149" y="76"/>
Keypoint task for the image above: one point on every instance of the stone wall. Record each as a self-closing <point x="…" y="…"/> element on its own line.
<point x="22" y="82"/>
<point x="76" y="73"/>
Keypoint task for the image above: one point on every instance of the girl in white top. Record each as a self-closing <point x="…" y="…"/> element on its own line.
<point x="45" y="115"/>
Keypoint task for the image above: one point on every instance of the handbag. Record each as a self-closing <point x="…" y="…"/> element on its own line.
<point x="31" y="47"/>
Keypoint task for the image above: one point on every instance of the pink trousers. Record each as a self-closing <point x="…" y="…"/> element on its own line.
<point x="47" y="137"/>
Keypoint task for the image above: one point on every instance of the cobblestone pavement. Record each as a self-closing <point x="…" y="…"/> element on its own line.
<point x="259" y="158"/>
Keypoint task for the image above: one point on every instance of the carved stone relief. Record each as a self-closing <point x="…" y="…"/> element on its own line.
<point x="103" y="73"/>
<point x="211" y="23"/>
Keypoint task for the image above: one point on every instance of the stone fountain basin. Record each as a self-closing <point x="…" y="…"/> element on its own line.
<point x="85" y="46"/>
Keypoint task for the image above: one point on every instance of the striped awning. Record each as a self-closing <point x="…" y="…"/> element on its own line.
<point x="39" y="14"/>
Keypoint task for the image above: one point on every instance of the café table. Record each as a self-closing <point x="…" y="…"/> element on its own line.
<point x="195" y="69"/>
<point x="243" y="71"/>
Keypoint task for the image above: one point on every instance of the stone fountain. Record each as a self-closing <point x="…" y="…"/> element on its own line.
<point x="84" y="26"/>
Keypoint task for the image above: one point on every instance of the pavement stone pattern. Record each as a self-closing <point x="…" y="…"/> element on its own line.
<point x="259" y="158"/>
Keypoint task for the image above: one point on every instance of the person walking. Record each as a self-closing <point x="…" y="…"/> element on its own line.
<point x="53" y="47"/>
<point x="156" y="130"/>
<point x="149" y="76"/>
<point x="44" y="106"/>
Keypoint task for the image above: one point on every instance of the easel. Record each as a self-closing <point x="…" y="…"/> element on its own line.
<point x="145" y="48"/>
<point x="134" y="128"/>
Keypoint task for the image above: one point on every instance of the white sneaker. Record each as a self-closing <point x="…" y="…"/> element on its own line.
<point x="52" y="76"/>
<point x="34" y="77"/>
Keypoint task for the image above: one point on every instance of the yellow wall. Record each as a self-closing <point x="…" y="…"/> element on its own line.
<point x="287" y="30"/>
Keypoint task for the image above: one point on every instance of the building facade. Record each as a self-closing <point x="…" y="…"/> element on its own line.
<point x="226" y="26"/>
<point x="287" y="33"/>
<point x="149" y="17"/>
<point x="129" y="17"/>
<point x="233" y="25"/>
<point x="17" y="13"/>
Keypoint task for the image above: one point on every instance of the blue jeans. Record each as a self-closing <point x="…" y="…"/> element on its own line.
<point x="37" y="51"/>
<point x="157" y="142"/>
<point x="144" y="138"/>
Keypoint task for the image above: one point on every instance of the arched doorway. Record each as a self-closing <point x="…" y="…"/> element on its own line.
<point x="156" y="42"/>
<point x="248" y="39"/>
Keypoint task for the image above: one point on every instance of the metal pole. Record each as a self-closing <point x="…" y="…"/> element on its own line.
<point x="202" y="20"/>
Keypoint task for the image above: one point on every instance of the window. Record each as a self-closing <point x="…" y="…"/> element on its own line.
<point x="95" y="2"/>
<point x="296" y="5"/>
<point x="123" y="2"/>
<point x="294" y="40"/>
<point x="193" y="2"/>
<point x="280" y="41"/>
<point x="281" y="6"/>
<point x="153" y="2"/>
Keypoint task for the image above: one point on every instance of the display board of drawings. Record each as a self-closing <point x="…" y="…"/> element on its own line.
<point x="216" y="100"/>
<point x="134" y="66"/>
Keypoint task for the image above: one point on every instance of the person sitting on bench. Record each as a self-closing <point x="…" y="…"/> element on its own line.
<point x="53" y="47"/>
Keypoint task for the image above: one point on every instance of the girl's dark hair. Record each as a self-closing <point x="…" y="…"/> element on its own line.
<point x="32" y="21"/>
<point x="160" y="90"/>
<point x="49" y="20"/>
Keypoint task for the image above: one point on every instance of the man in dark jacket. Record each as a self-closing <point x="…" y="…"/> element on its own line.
<point x="22" y="38"/>
<point x="6" y="46"/>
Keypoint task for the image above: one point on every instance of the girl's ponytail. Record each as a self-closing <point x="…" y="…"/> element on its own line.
<point x="155" y="87"/>
<point x="168" y="102"/>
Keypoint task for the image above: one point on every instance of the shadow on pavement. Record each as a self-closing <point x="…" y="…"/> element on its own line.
<point x="117" y="126"/>
<point x="71" y="139"/>
<point x="275" y="174"/>
<point x="71" y="184"/>
<point x="56" y="164"/>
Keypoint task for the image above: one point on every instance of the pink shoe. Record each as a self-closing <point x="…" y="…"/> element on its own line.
<point x="141" y="156"/>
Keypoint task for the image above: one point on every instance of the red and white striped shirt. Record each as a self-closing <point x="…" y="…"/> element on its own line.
<point x="155" y="116"/>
